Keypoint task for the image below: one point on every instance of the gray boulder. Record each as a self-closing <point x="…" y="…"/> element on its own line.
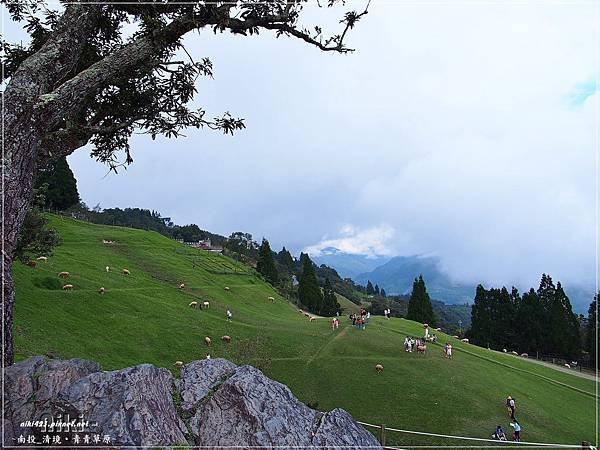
<point x="338" y="429"/>
<point x="31" y="385"/>
<point x="250" y="409"/>
<point x="199" y="377"/>
<point x="133" y="406"/>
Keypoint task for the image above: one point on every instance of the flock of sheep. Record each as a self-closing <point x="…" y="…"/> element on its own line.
<point x="301" y="311"/>
<point x="194" y="304"/>
<point x="64" y="275"/>
<point x="69" y="287"/>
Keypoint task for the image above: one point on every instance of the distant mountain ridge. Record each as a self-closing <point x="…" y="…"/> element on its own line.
<point x="396" y="276"/>
<point x="348" y="265"/>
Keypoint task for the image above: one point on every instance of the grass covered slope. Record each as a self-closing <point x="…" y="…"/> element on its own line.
<point x="145" y="317"/>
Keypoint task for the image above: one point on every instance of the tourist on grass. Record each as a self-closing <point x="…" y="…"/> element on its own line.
<point x="499" y="434"/>
<point x="229" y="316"/>
<point x="511" y="406"/>
<point x="449" y="351"/>
<point x="517" y="433"/>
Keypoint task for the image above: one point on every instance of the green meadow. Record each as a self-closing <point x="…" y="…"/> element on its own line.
<point x="144" y="317"/>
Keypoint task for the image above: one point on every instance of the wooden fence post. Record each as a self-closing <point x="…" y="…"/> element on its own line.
<point x="382" y="435"/>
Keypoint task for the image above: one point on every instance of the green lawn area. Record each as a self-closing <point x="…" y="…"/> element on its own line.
<point x="144" y="317"/>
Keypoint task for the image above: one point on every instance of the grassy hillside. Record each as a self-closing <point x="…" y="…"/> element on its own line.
<point x="145" y="317"/>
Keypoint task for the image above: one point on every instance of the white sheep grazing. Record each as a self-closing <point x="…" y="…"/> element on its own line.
<point x="193" y="304"/>
<point x="178" y="363"/>
<point x="455" y="337"/>
<point x="107" y="269"/>
<point x="64" y="275"/>
<point x="181" y="286"/>
<point x="206" y="305"/>
<point x="568" y="366"/>
<point x="207" y="341"/>
<point x="378" y="368"/>
<point x="102" y="290"/>
<point x="524" y="355"/>
<point x="42" y="258"/>
<point x="271" y="299"/>
<point x="226" y="339"/>
<point x="227" y="288"/>
<point x="126" y="272"/>
<point x="504" y="350"/>
<point x="514" y="353"/>
<point x="67" y="287"/>
<point x="310" y="319"/>
<point x="465" y="340"/>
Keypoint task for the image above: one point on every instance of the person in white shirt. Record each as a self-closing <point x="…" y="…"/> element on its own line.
<point x="517" y="433"/>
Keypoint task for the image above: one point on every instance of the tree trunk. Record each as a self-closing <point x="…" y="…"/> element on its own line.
<point x="25" y="126"/>
<point x="8" y="301"/>
<point x="21" y="145"/>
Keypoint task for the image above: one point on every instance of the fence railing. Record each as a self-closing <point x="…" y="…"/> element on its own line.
<point x="383" y="432"/>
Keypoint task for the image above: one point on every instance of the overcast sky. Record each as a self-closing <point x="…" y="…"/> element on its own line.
<point x="467" y="130"/>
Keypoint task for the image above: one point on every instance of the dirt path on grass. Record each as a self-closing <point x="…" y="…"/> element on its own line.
<point x="338" y="335"/>
<point x="587" y="375"/>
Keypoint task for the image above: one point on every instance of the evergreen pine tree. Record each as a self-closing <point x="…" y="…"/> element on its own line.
<point x="383" y="292"/>
<point x="530" y="323"/>
<point x="550" y="315"/>
<point x="481" y="317"/>
<point x="370" y="289"/>
<point x="266" y="263"/>
<point x="503" y="316"/>
<point x="570" y="343"/>
<point x="592" y="339"/>
<point x="309" y="292"/>
<point x="61" y="192"/>
<point x="419" y="305"/>
<point x="330" y="303"/>
<point x="377" y="289"/>
<point x="286" y="259"/>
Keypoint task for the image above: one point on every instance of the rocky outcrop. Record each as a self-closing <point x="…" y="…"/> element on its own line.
<point x="214" y="403"/>
<point x="198" y="378"/>
<point x="133" y="406"/>
<point x="31" y="385"/>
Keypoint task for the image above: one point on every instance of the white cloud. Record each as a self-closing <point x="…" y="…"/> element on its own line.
<point x="374" y="241"/>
